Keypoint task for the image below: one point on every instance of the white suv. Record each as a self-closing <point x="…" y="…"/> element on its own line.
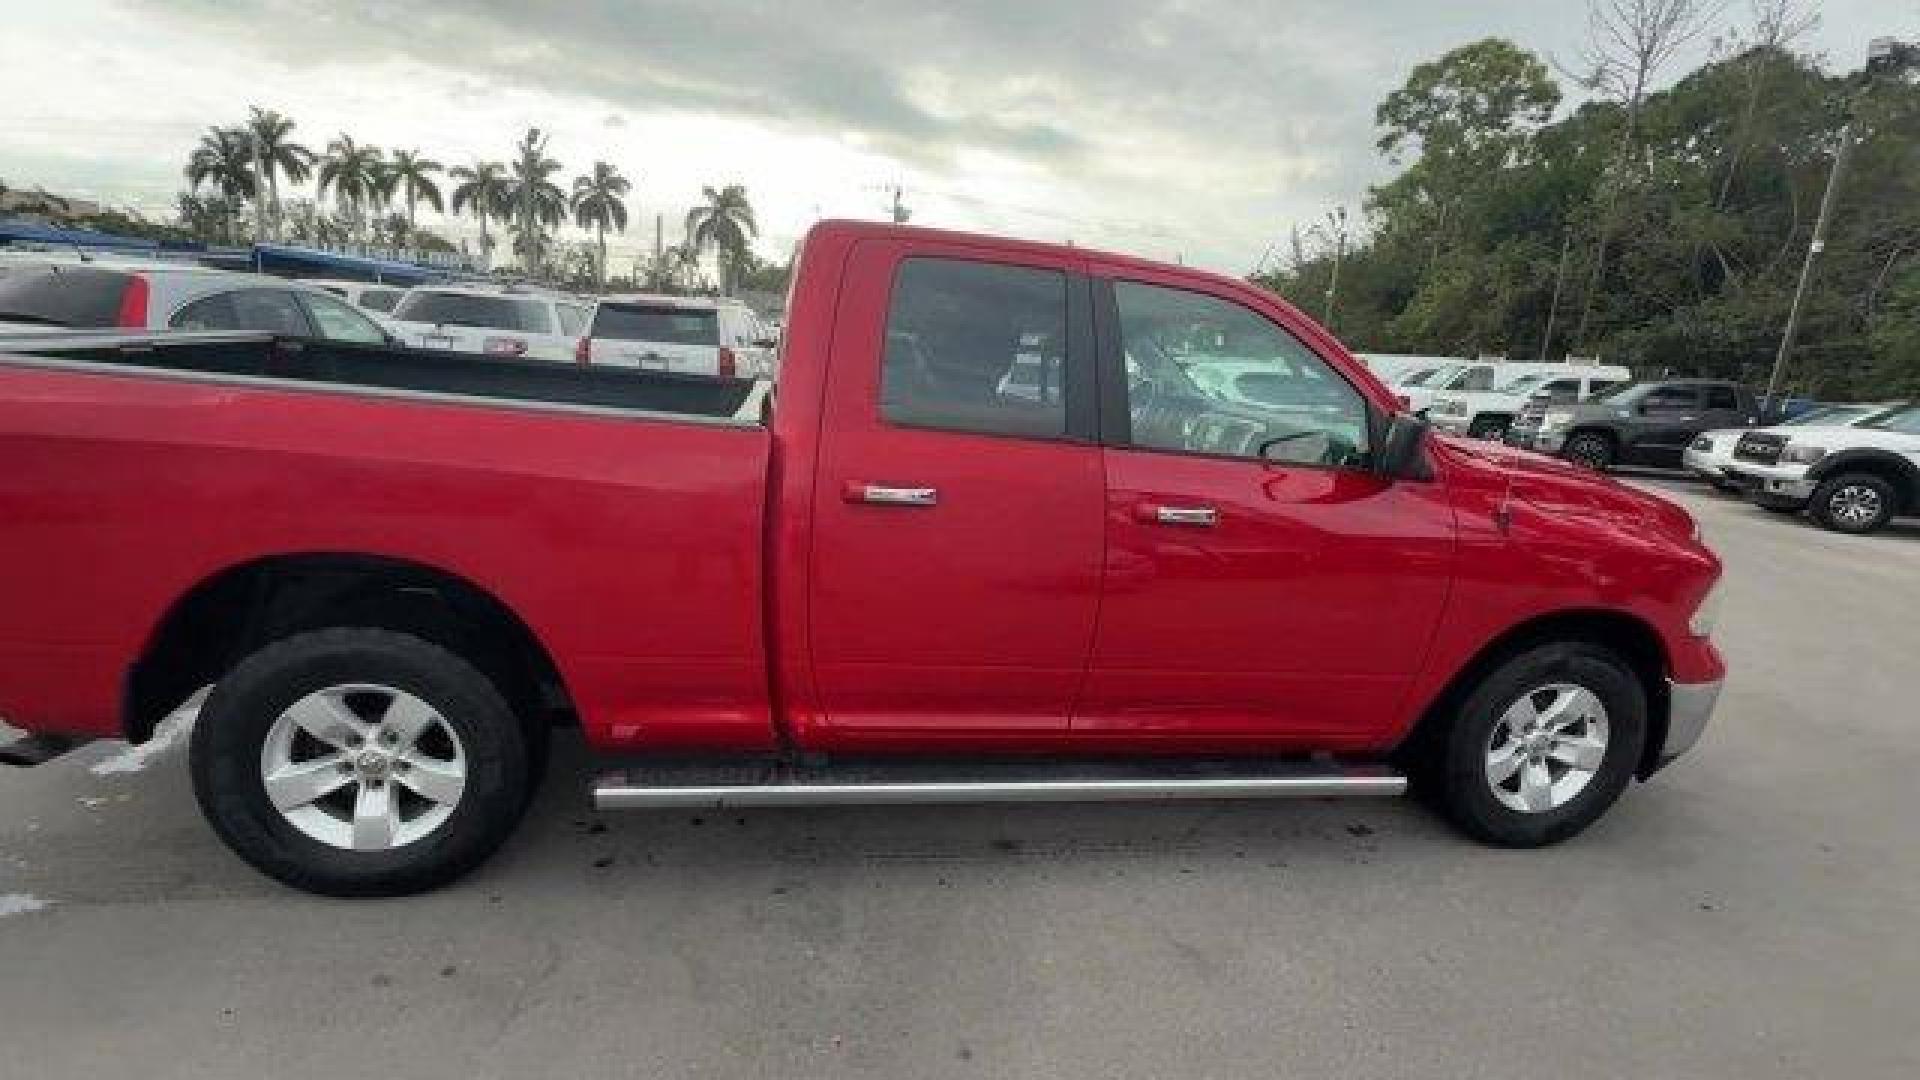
<point x="694" y="335"/>
<point x="492" y="322"/>
<point x="1848" y="479"/>
<point x="1710" y="453"/>
<point x="1487" y="414"/>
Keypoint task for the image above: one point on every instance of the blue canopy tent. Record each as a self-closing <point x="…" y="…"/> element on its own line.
<point x="22" y="231"/>
<point x="307" y="262"/>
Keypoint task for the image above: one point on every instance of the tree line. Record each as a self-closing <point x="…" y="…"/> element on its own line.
<point x="1663" y="230"/>
<point x="235" y="175"/>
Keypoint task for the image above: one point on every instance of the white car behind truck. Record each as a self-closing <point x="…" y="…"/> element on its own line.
<point x="693" y="335"/>
<point x="1848" y="479"/>
<point x="491" y="322"/>
<point x="1487" y="414"/>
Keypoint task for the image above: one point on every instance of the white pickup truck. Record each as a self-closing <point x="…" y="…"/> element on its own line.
<point x="1849" y="479"/>
<point x="1487" y="413"/>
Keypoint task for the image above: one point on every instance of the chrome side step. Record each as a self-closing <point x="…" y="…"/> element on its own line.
<point x="896" y="782"/>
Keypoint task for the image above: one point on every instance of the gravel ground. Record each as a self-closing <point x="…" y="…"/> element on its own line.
<point x="1749" y="913"/>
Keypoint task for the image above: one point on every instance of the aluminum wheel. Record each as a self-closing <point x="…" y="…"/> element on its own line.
<point x="1547" y="747"/>
<point x="363" y="767"/>
<point x="1854" y="505"/>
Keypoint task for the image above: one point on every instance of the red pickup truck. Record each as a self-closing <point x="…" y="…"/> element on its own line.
<point x="1018" y="522"/>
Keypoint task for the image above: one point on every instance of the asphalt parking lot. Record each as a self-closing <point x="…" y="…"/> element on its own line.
<point x="1750" y="913"/>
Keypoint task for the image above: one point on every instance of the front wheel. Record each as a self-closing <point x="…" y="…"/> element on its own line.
<point x="357" y="761"/>
<point x="1543" y="745"/>
<point x="1590" y="450"/>
<point x="1857" y="503"/>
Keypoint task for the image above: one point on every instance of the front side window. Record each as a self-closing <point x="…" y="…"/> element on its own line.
<point x="1207" y="376"/>
<point x="1561" y="388"/>
<point x="573" y="319"/>
<point x="339" y="322"/>
<point x="976" y="347"/>
<point x="381" y="300"/>
<point x="1477" y="380"/>
<point x="1723" y="397"/>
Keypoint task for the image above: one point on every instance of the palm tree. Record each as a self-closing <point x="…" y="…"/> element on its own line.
<point x="278" y="156"/>
<point x="356" y="174"/>
<point x="598" y="205"/>
<point x="538" y="201"/>
<point x="223" y="159"/>
<point x="412" y="175"/>
<point x="725" y="222"/>
<point x="485" y="190"/>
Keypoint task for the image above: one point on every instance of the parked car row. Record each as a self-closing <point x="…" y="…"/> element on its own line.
<point x="715" y="337"/>
<point x="1850" y="475"/>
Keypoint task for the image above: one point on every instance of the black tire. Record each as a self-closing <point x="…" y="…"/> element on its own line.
<point x="1590" y="449"/>
<point x="1854" y="503"/>
<point x="1464" y="790"/>
<point x="235" y="721"/>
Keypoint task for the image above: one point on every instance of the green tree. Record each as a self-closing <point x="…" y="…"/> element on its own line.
<point x="223" y="160"/>
<point x="411" y="174"/>
<point x="725" y="223"/>
<point x="538" y="202"/>
<point x="484" y="190"/>
<point x="272" y="139"/>
<point x="355" y="173"/>
<point x="598" y="204"/>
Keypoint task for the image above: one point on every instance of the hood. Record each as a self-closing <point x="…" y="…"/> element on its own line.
<point x="1563" y="489"/>
<point x="1832" y="436"/>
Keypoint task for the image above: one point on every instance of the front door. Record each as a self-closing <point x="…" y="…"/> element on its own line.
<point x="1669" y="417"/>
<point x="1264" y="589"/>
<point x="958" y="514"/>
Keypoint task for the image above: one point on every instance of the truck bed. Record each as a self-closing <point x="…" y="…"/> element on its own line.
<point x="617" y="514"/>
<point x="324" y="365"/>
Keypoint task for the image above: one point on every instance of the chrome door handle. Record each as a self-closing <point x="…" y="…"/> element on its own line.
<point x="1203" y="516"/>
<point x="881" y="495"/>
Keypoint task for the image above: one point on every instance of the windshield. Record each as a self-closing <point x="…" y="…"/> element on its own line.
<point x="1905" y="419"/>
<point x="472" y="309"/>
<point x="666" y="323"/>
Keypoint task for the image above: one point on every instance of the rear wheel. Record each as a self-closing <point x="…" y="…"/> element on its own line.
<point x="1857" y="503"/>
<point x="1543" y="745"/>
<point x="1589" y="449"/>
<point x="357" y="761"/>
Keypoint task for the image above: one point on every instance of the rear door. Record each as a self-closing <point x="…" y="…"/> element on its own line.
<point x="1264" y="588"/>
<point x="957" y="526"/>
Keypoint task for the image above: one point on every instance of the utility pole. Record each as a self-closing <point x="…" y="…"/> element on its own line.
<point x="259" y="189"/>
<point x="1337" y="218"/>
<point x="899" y="209"/>
<point x="1818" y="244"/>
<point x="1553" y="309"/>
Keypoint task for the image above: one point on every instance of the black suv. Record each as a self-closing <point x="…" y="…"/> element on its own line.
<point x="1647" y="423"/>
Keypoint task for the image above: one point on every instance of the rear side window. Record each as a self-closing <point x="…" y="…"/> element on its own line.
<point x="339" y="322"/>
<point x="81" y="296"/>
<point x="1671" y="399"/>
<point x="1722" y="397"/>
<point x="469" y="309"/>
<point x="976" y="347"/>
<point x="259" y="311"/>
<point x="658" y="323"/>
<point x="381" y="300"/>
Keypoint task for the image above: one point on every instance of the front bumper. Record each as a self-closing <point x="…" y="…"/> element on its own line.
<point x="1704" y="464"/>
<point x="1778" y="483"/>
<point x="1689" y="707"/>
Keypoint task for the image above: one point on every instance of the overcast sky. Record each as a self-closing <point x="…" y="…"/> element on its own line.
<point x="1199" y="129"/>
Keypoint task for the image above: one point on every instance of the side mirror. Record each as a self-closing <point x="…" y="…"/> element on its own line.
<point x="1403" y="450"/>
